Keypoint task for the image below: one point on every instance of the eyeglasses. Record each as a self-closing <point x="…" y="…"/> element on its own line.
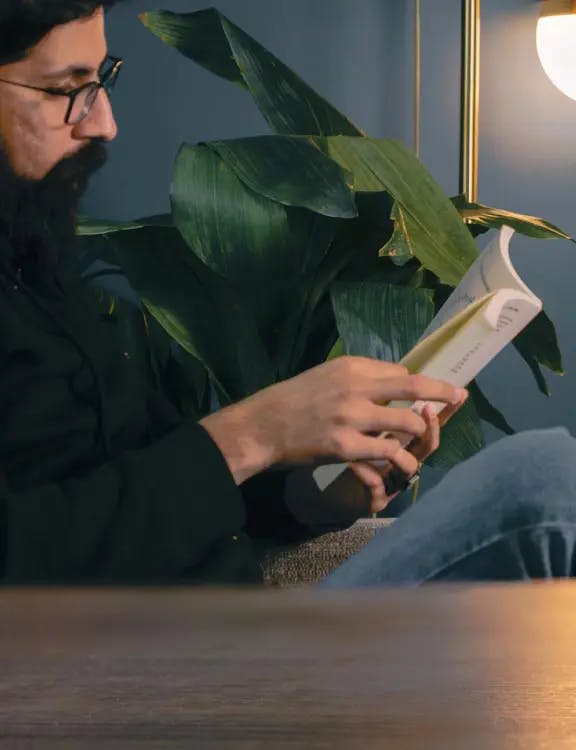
<point x="83" y="98"/>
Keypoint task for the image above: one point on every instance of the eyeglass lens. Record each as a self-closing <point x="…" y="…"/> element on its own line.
<point x="85" y="99"/>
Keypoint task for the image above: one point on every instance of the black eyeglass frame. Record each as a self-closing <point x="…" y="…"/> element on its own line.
<point x="95" y="86"/>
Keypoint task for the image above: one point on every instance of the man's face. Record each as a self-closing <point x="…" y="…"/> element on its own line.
<point x="33" y="134"/>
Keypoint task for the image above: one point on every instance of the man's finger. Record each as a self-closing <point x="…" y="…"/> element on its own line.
<point x="406" y="462"/>
<point x="370" y="368"/>
<point x="369" y="417"/>
<point x="416" y="388"/>
<point x="373" y="481"/>
<point x="448" y="411"/>
<point x="430" y="441"/>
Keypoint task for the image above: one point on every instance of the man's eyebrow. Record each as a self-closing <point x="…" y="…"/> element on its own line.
<point x="73" y="71"/>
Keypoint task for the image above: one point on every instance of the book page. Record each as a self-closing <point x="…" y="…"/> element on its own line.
<point x="437" y="338"/>
<point x="465" y="350"/>
<point x="492" y="270"/>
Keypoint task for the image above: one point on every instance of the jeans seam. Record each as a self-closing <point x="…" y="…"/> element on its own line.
<point x="497" y="538"/>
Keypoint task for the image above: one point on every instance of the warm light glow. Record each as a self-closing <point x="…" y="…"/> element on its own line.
<point x="556" y="41"/>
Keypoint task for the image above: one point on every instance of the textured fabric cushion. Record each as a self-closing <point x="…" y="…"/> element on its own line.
<point x="308" y="562"/>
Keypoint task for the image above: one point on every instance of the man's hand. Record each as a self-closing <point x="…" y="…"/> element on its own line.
<point x="333" y="412"/>
<point x="360" y="490"/>
<point x="376" y="497"/>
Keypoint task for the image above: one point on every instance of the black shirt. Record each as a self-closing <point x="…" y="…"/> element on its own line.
<point x="101" y="478"/>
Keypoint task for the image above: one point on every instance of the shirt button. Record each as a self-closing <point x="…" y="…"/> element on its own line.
<point x="234" y="538"/>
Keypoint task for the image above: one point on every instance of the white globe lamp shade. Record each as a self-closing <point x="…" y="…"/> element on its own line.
<point x="556" y="43"/>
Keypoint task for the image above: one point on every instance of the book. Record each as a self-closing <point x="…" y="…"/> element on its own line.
<point x="487" y="310"/>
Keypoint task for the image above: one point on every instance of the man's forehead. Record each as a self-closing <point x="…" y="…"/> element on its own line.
<point x="78" y="47"/>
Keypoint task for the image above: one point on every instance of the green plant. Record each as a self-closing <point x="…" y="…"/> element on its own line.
<point x="286" y="249"/>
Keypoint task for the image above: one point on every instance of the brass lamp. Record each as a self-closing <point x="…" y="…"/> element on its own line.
<point x="470" y="99"/>
<point x="556" y="43"/>
<point x="470" y="94"/>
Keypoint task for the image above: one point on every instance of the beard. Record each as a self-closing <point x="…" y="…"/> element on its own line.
<point x="38" y="217"/>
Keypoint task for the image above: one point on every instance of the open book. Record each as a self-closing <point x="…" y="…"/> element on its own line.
<point x="488" y="308"/>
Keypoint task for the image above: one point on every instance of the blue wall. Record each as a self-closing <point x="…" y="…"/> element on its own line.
<point x="359" y="54"/>
<point x="340" y="47"/>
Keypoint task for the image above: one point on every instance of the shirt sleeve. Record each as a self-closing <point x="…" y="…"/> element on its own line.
<point x="264" y="495"/>
<point x="267" y="512"/>
<point x="150" y="513"/>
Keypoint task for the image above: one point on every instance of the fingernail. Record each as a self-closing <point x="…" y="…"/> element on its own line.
<point x="461" y="394"/>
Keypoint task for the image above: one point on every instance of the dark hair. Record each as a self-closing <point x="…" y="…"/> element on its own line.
<point x="23" y="23"/>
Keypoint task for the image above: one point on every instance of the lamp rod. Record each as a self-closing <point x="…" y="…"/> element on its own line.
<point x="417" y="73"/>
<point x="470" y="99"/>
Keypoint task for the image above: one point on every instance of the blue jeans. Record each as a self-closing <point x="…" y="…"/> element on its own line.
<point x="508" y="513"/>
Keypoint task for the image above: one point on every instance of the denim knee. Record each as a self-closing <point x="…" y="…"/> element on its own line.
<point x="528" y="478"/>
<point x="525" y="482"/>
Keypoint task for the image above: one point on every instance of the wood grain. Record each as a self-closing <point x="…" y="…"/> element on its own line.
<point x="437" y="667"/>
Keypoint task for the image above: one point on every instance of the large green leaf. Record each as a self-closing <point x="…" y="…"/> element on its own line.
<point x="353" y="256"/>
<point x="197" y="308"/>
<point x="186" y="382"/>
<point x="243" y="236"/>
<point x="398" y="247"/>
<point x="88" y="227"/>
<point x="434" y="229"/>
<point x="94" y="258"/>
<point x="494" y="218"/>
<point x="290" y="171"/>
<point x="286" y="101"/>
<point x="460" y="439"/>
<point x="307" y="329"/>
<point x="487" y="411"/>
<point x="539" y="339"/>
<point x="267" y="251"/>
<point x="538" y="345"/>
<point x="380" y="320"/>
<point x="536" y="371"/>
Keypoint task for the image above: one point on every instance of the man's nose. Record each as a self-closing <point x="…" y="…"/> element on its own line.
<point x="99" y="122"/>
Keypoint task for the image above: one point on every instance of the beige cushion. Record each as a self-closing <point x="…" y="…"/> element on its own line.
<point x="308" y="562"/>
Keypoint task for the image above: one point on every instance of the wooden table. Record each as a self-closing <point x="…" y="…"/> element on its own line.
<point x="461" y="668"/>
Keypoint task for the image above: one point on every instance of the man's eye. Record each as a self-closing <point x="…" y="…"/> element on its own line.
<point x="58" y="91"/>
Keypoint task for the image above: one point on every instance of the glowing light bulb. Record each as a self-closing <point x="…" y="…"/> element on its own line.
<point x="556" y="43"/>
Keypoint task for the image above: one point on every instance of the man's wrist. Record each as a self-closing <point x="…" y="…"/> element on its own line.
<point x="245" y="438"/>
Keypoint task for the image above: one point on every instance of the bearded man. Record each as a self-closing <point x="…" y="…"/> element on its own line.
<point x="101" y="479"/>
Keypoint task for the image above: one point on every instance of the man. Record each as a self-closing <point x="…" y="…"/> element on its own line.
<point x="101" y="478"/>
